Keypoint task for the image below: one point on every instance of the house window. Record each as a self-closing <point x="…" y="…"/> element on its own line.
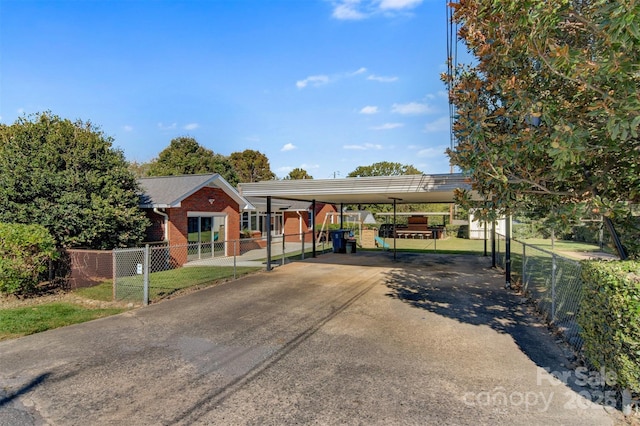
<point x="249" y="221"/>
<point x="257" y="221"/>
<point x="205" y="227"/>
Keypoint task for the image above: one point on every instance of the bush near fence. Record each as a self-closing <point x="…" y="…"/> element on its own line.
<point x="610" y="319"/>
<point x="25" y="251"/>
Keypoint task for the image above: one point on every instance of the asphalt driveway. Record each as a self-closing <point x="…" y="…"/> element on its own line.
<point x="341" y="339"/>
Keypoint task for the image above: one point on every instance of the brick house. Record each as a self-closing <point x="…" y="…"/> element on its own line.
<point x="192" y="209"/>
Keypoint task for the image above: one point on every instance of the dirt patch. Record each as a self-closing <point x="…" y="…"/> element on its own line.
<point x="8" y="302"/>
<point x="588" y="255"/>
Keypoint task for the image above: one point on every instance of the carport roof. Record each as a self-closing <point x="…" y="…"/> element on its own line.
<point x="363" y="190"/>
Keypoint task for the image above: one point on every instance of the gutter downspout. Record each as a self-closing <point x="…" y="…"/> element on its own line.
<point x="166" y="222"/>
<point x="300" y="224"/>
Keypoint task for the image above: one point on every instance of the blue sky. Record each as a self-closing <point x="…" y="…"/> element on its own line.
<point x="325" y="85"/>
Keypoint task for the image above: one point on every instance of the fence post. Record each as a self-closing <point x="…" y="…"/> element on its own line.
<point x="115" y="273"/>
<point x="507" y="252"/>
<point x="553" y="287"/>
<point x="524" y="268"/>
<point x="145" y="279"/>
<point x="235" y="256"/>
<point x="553" y="275"/>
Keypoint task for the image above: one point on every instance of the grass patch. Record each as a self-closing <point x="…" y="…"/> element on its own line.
<point x="22" y="321"/>
<point x="17" y="322"/>
<point x="563" y="245"/>
<point x="165" y="283"/>
<point x="102" y="292"/>
<point x="453" y="245"/>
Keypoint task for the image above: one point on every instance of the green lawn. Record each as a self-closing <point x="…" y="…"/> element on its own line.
<point x="447" y="245"/>
<point x="165" y="283"/>
<point x="17" y="322"/>
<point x="560" y="245"/>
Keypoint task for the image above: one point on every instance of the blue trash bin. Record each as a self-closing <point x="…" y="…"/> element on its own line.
<point x="339" y="241"/>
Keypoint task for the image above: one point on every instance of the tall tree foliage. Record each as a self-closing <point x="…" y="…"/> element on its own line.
<point x="67" y="177"/>
<point x="297" y="174"/>
<point x="251" y="166"/>
<point x="548" y="116"/>
<point x="384" y="168"/>
<point x="185" y="156"/>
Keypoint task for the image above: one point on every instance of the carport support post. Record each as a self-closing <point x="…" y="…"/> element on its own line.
<point x="493" y="243"/>
<point x="394" y="229"/>
<point x="268" y="233"/>
<point x="313" y="228"/>
<point x="341" y="216"/>
<point x="485" y="237"/>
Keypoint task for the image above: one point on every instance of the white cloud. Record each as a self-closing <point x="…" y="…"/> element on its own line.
<point x="442" y="124"/>
<point x="288" y="147"/>
<point x="347" y="10"/>
<point x="432" y="152"/>
<point x="412" y="108"/>
<point x="285" y="169"/>
<point x="363" y="147"/>
<point x="382" y="79"/>
<point x="191" y="126"/>
<point x="20" y="111"/>
<point x="369" y="109"/>
<point x="399" y="4"/>
<point x="388" y="126"/>
<point x="355" y="10"/>
<point x="322" y="79"/>
<point x="171" y="126"/>
<point x="309" y="166"/>
<point x="127" y="128"/>
<point x="315" y="80"/>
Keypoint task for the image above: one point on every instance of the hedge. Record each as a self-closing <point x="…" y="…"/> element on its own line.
<point x="610" y="319"/>
<point x="24" y="253"/>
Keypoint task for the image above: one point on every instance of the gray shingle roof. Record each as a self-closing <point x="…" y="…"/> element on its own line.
<point x="169" y="191"/>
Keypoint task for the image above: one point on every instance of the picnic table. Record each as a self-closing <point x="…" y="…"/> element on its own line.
<point x="413" y="234"/>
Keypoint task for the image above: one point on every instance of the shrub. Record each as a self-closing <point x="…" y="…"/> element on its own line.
<point x="610" y="319"/>
<point x="24" y="253"/>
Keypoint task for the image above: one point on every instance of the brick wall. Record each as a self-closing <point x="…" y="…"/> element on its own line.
<point x="199" y="202"/>
<point x="322" y="210"/>
<point x="292" y="227"/>
<point x="155" y="232"/>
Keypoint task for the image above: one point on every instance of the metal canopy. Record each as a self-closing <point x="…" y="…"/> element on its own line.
<point x="363" y="190"/>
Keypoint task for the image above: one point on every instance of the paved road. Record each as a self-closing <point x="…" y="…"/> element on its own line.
<point x="341" y="339"/>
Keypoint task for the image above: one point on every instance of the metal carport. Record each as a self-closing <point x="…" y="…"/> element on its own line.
<point x="406" y="189"/>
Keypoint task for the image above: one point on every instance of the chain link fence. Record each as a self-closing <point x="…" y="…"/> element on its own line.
<point x="552" y="281"/>
<point x="159" y="270"/>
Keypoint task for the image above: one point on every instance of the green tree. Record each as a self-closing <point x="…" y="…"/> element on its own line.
<point x="185" y="156"/>
<point x="384" y="168"/>
<point x="297" y="174"/>
<point x="67" y="177"/>
<point x="251" y="166"/>
<point x="139" y="169"/>
<point x="548" y="116"/>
